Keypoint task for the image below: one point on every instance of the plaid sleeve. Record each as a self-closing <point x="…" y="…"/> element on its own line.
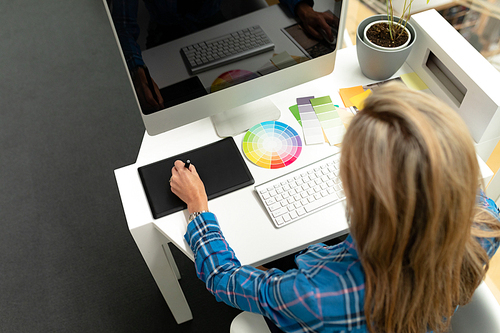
<point x="290" y="4"/>
<point x="491" y="245"/>
<point x="279" y="296"/>
<point x="124" y="14"/>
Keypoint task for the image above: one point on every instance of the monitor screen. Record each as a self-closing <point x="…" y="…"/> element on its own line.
<point x="193" y="59"/>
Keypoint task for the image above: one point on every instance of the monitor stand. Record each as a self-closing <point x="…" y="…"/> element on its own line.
<point x="237" y="120"/>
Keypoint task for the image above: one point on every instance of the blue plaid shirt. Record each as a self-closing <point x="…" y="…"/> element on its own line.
<point x="325" y="293"/>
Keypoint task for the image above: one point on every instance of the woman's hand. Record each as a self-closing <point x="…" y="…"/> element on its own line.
<point x="144" y="93"/>
<point x="187" y="185"/>
<point x="315" y="21"/>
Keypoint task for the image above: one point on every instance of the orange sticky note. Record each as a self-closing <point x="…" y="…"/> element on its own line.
<point x="494" y="160"/>
<point x="358" y="100"/>
<point x="347" y="93"/>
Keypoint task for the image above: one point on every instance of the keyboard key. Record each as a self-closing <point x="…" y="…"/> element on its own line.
<point x="275" y="206"/>
<point x="280" y="211"/>
<point x="320" y="203"/>
<point x="270" y="201"/>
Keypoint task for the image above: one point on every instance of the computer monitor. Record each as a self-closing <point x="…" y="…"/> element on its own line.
<point x="225" y="93"/>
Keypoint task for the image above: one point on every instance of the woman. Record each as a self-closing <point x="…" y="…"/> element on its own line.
<point x="421" y="231"/>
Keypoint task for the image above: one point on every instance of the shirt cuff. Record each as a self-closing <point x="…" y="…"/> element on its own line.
<point x="292" y="4"/>
<point x="134" y="62"/>
<point x="202" y="225"/>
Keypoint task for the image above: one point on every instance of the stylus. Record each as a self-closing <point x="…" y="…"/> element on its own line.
<point x="187" y="164"/>
<point x="150" y="84"/>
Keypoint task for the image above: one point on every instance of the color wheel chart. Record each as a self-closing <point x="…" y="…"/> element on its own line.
<point x="272" y="145"/>
<point x="231" y="78"/>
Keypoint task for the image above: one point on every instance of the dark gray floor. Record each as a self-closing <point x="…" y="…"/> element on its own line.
<point x="67" y="120"/>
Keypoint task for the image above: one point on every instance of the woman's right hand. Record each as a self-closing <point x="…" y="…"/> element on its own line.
<point x="187" y="185"/>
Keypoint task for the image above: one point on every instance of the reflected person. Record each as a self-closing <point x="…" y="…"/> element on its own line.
<point x="172" y="19"/>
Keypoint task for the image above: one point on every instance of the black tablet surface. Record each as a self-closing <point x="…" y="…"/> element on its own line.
<point x="220" y="166"/>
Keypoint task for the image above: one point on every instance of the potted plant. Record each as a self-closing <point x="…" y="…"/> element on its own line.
<point x="383" y="42"/>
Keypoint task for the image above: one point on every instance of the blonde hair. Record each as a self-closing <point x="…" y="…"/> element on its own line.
<point x="411" y="176"/>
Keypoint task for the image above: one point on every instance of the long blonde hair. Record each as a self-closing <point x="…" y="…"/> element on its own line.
<point x="411" y="176"/>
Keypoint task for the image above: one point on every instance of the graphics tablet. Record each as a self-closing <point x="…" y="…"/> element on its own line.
<point x="221" y="168"/>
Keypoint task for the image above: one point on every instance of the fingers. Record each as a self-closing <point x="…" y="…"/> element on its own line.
<point x="158" y="94"/>
<point x="182" y="175"/>
<point x="144" y="93"/>
<point x="151" y="102"/>
<point x="187" y="185"/>
<point x="329" y="18"/>
<point x="326" y="25"/>
<point x="317" y="24"/>
<point x="179" y="164"/>
<point x="192" y="168"/>
<point x="322" y="23"/>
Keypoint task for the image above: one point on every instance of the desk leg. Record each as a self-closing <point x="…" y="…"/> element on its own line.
<point x="150" y="243"/>
<point x="171" y="260"/>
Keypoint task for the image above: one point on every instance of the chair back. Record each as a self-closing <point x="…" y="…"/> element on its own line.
<point x="247" y="322"/>
<point x="481" y="315"/>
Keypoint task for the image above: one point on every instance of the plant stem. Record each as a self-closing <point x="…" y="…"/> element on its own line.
<point x="390" y="17"/>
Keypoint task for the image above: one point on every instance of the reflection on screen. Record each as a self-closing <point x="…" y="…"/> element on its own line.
<point x="205" y="46"/>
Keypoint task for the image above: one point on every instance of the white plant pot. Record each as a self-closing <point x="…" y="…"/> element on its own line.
<point x="380" y="63"/>
<point x="369" y="42"/>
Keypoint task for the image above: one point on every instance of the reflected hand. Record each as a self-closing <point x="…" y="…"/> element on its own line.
<point x="187" y="185"/>
<point x="144" y="94"/>
<point x="314" y="21"/>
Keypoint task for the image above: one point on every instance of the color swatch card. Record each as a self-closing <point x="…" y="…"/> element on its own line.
<point x="272" y="145"/>
<point x="294" y="109"/>
<point x="313" y="134"/>
<point x="329" y="119"/>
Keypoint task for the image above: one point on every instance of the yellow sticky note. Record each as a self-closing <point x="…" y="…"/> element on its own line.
<point x="347" y="93"/>
<point x="413" y="81"/>
<point x="358" y="100"/>
<point x="494" y="159"/>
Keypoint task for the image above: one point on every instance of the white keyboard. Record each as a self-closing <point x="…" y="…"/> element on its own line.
<point x="232" y="47"/>
<point x="302" y="192"/>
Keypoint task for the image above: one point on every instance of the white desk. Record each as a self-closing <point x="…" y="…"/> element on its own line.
<point x="243" y="219"/>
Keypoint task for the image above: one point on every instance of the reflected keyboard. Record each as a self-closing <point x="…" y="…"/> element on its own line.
<point x="302" y="192"/>
<point x="225" y="49"/>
